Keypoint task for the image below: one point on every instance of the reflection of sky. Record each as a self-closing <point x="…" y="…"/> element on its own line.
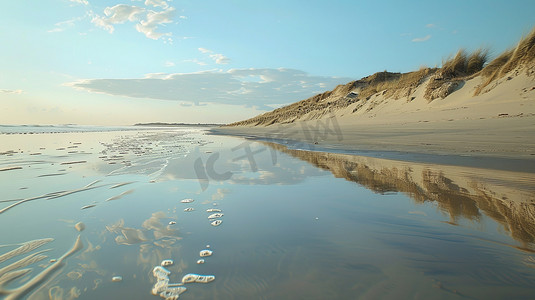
<point x="263" y="166"/>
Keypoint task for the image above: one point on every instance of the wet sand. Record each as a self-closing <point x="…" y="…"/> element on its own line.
<point x="234" y="218"/>
<point x="498" y="143"/>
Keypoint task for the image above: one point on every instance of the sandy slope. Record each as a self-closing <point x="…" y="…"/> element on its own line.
<point x="497" y="123"/>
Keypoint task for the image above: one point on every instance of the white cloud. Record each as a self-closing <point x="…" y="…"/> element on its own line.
<point x="430" y="25"/>
<point x="157" y="75"/>
<point x="196" y="61"/>
<point x="117" y="14"/>
<point x="227" y="87"/>
<point x="57" y="29"/>
<point x="157" y="3"/>
<point x="218" y="58"/>
<point x="422" y="39"/>
<point x="84" y="2"/>
<point x="169" y="64"/>
<point x="61" y="26"/>
<point x="147" y="21"/>
<point x="154" y="19"/>
<point x="18" y="92"/>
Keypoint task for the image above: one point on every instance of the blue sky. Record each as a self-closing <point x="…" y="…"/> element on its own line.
<point x="123" y="62"/>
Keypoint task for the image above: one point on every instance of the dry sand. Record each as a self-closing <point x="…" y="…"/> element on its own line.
<point x="497" y="124"/>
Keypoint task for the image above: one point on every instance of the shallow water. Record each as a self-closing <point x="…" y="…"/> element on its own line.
<point x="296" y="224"/>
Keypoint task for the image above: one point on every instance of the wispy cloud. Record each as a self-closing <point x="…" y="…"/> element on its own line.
<point x="218" y="58"/>
<point x="169" y="64"/>
<point x="84" y="2"/>
<point x="18" y="92"/>
<point x="62" y="26"/>
<point x="147" y="21"/>
<point x="196" y="61"/>
<point x="228" y="87"/>
<point x="422" y="39"/>
<point x="430" y="25"/>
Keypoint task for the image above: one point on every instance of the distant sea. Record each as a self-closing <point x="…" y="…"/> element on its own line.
<point x="36" y="129"/>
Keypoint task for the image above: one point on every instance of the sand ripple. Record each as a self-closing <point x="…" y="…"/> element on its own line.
<point x="10" y="272"/>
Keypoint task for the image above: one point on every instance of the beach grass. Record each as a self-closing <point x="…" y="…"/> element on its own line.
<point x="509" y="60"/>
<point x="395" y="84"/>
<point x="464" y="64"/>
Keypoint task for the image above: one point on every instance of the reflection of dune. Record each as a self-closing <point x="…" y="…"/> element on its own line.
<point x="507" y="197"/>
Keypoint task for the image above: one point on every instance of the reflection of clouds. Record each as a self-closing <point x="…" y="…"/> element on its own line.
<point x="287" y="172"/>
<point x="58" y="293"/>
<point x="282" y="170"/>
<point x="156" y="239"/>
<point x="151" y="255"/>
<point x="131" y="236"/>
<point x="220" y="194"/>
<point x="156" y="242"/>
<point x="89" y="249"/>
<point x="158" y="228"/>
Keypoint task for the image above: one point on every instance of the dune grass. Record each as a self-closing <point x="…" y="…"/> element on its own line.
<point x="464" y="64"/>
<point x="497" y="64"/>
<point x="523" y="53"/>
<point x="455" y="69"/>
<point x="476" y="61"/>
<point x="395" y="85"/>
<point x="509" y="60"/>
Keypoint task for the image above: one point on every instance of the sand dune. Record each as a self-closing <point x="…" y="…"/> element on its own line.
<point x="487" y="113"/>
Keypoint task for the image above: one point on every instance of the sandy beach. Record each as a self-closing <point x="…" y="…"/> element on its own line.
<point x="500" y="140"/>
<point x="498" y="124"/>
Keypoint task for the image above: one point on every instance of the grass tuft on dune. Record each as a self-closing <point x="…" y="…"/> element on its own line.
<point x="521" y="55"/>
